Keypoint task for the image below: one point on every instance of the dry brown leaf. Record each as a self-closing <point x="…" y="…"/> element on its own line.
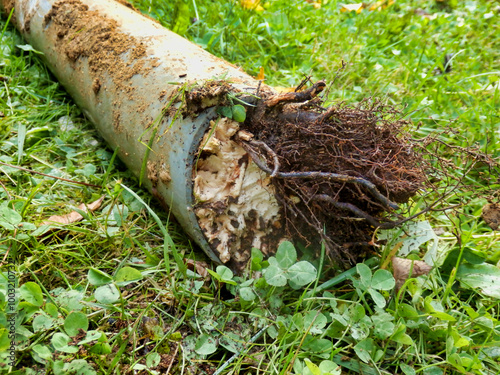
<point x="403" y="267"/>
<point x="196" y="266"/>
<point x="74" y="216"/>
<point x="491" y="215"/>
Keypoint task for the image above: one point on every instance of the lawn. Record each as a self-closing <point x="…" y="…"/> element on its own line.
<point x="109" y="295"/>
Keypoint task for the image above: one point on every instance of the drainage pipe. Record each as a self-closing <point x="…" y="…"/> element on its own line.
<point x="152" y="95"/>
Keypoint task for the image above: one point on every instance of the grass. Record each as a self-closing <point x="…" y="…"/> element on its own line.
<point x="107" y="295"/>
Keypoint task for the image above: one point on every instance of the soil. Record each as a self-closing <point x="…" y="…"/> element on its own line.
<point x="83" y="33"/>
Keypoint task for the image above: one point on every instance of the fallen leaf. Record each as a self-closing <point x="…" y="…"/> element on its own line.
<point x="405" y="268"/>
<point x="491" y="215"/>
<point x="196" y="266"/>
<point x="74" y="216"/>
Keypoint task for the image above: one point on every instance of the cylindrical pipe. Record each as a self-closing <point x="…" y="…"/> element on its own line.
<point x="127" y="73"/>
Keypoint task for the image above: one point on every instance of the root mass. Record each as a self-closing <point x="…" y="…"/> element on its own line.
<point x="338" y="172"/>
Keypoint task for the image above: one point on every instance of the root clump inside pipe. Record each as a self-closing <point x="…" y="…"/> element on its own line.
<point x="331" y="174"/>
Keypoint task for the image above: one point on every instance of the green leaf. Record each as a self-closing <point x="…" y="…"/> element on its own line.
<point x="401" y="337"/>
<point x="70" y="300"/>
<point x="317" y="345"/>
<point x="120" y="214"/>
<point x="383" y="280"/>
<point x="153" y="359"/>
<point x="443" y="316"/>
<point x="9" y="219"/>
<point x="315" y="322"/>
<point x="127" y="275"/>
<point x="107" y="294"/>
<point x="101" y="348"/>
<point x="79" y="366"/>
<point x="275" y="276"/>
<point x="302" y="273"/>
<point x="358" y="312"/>
<point x="239" y="113"/>
<point x="383" y="327"/>
<point x="60" y="342"/>
<point x="42" y="351"/>
<point x="28" y="48"/>
<point x="4" y="340"/>
<point x="365" y="274"/>
<point x="297" y="321"/>
<point x="42" y="323"/>
<point x="232" y="342"/>
<point x="383" y="330"/>
<point x="219" y="277"/>
<point x="257" y="258"/>
<point x="247" y="294"/>
<point x="225" y="112"/>
<point x="485" y="277"/>
<point x="407" y="370"/>
<point x="225" y="273"/>
<point x="364" y="349"/>
<point x="181" y="18"/>
<point x="75" y="322"/>
<point x="98" y="278"/>
<point x="205" y="344"/>
<point x="330" y="368"/>
<point x="377" y="298"/>
<point x="286" y="256"/>
<point x="32" y="293"/>
<point x="407" y="311"/>
<point x="312" y="367"/>
<point x="93" y="336"/>
<point x="418" y="233"/>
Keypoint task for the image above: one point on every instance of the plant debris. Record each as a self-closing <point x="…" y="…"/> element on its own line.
<point x="74" y="216"/>
<point x="406" y="268"/>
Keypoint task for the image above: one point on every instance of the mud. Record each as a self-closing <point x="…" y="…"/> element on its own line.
<point x="83" y="33"/>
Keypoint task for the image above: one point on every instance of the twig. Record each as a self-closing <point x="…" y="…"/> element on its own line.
<point x="302" y="84"/>
<point x="173" y="358"/>
<point x="47" y="175"/>
<point x="6" y="191"/>
<point x="296" y="97"/>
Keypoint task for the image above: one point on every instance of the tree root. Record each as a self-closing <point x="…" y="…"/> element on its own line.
<point x="339" y="172"/>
